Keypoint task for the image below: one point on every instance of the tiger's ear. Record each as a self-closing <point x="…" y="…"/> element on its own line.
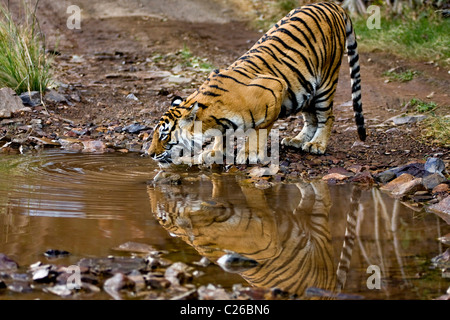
<point x="191" y="115"/>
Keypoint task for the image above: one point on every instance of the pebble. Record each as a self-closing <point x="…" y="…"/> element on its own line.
<point x="9" y="103"/>
<point x="442" y="209"/>
<point x="433" y="180"/>
<point x="434" y="165"/>
<point x="7" y="264"/>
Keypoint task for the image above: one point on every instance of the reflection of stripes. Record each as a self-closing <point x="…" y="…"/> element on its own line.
<point x="349" y="240"/>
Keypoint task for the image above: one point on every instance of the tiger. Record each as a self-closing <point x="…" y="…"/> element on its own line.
<point x="291" y="69"/>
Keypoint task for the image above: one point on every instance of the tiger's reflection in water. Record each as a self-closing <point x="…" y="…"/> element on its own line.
<point x="284" y="228"/>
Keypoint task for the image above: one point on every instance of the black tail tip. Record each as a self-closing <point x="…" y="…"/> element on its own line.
<point x="362" y="133"/>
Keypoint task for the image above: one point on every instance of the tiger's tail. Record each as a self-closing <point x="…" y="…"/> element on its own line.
<point x="353" y="60"/>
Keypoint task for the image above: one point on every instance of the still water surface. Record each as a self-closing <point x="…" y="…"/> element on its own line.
<point x="88" y="204"/>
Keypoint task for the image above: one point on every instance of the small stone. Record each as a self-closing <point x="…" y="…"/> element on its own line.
<point x="135" y="128"/>
<point x="131" y="96"/>
<point x="95" y="146"/>
<point x="441" y="188"/>
<point x="55" y="253"/>
<point x="335" y="176"/>
<point x="434" y="165"/>
<point x="32" y="98"/>
<point x="134" y="247"/>
<point x="9" y="103"/>
<point x="397" y="182"/>
<point x="386" y="176"/>
<point x="433" y="180"/>
<point x="442" y="209"/>
<point x="363" y="178"/>
<point x="177" y="273"/>
<point x="409" y="188"/>
<point x="445" y="239"/>
<point x="407" y="119"/>
<point x="118" y="282"/>
<point x="60" y="290"/>
<point x="54" y="96"/>
<point x="7" y="264"/>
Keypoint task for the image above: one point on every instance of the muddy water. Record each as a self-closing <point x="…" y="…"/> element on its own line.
<point x="307" y="238"/>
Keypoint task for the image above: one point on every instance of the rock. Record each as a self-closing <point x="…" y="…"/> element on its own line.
<point x="409" y="187"/>
<point x="131" y="96"/>
<point x="55" y="97"/>
<point x="234" y="262"/>
<point x="445" y="239"/>
<point x="442" y="209"/>
<point x="135" y="128"/>
<point x="442" y="260"/>
<point x="335" y="176"/>
<point x="60" y="290"/>
<point x="211" y="292"/>
<point x="32" y="98"/>
<point x="177" y="273"/>
<point x="397" y="182"/>
<point x="434" y="165"/>
<point x="112" y="265"/>
<point x="158" y="282"/>
<point x="386" y="176"/>
<point x="7" y="264"/>
<point x="96" y="146"/>
<point x="134" y="247"/>
<point x="407" y="119"/>
<point x="179" y="80"/>
<point x="433" y="180"/>
<point x="441" y="189"/>
<point x="116" y="283"/>
<point x="363" y="177"/>
<point x="55" y="253"/>
<point x="9" y="103"/>
<point x="264" y="171"/>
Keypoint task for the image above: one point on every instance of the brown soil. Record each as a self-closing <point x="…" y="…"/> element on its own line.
<point x="124" y="42"/>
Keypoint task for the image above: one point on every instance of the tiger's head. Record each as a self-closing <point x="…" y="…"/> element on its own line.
<point x="175" y="128"/>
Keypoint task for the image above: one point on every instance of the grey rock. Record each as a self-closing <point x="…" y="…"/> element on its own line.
<point x="32" y="98"/>
<point x="7" y="264"/>
<point x="434" y="165"/>
<point x="386" y="176"/>
<point x="9" y="103"/>
<point x="135" y="128"/>
<point x="407" y="119"/>
<point x="56" y="97"/>
<point x="433" y="180"/>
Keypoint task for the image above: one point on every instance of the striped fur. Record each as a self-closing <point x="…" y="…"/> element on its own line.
<point x="292" y="69"/>
<point x="290" y="238"/>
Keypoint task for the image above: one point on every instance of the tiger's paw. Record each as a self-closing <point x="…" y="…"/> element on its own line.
<point x="292" y="142"/>
<point x="314" y="147"/>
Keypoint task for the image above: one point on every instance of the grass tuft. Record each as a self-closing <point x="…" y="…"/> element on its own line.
<point x="421" y="34"/>
<point x="24" y="65"/>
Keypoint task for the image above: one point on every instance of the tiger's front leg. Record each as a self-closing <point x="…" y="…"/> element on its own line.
<point x="214" y="154"/>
